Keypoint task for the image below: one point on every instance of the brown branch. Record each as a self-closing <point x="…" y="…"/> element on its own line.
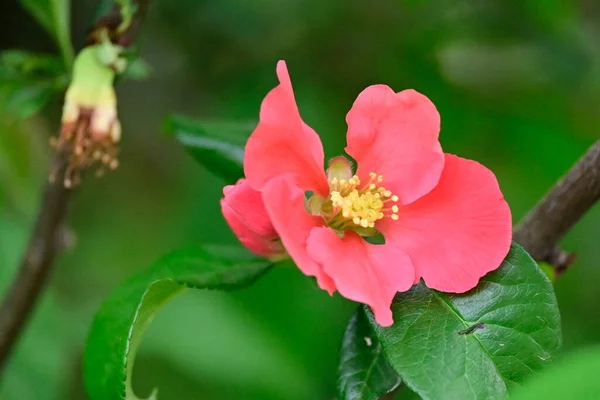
<point x="35" y="265"/>
<point x="575" y="193"/>
<point x="46" y="238"/>
<point x="113" y="20"/>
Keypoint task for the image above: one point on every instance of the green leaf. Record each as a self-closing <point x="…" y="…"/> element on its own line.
<point x="575" y="377"/>
<point x="22" y="63"/>
<point x="55" y="17"/>
<point x="118" y="327"/>
<point x="137" y="69"/>
<point x="26" y="100"/>
<point x="128" y="10"/>
<point x="217" y="145"/>
<point x="477" y="345"/>
<point x="364" y="373"/>
<point x="548" y="270"/>
<point x="28" y="81"/>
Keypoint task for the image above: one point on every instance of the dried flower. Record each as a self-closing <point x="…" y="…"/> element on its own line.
<point x="90" y="130"/>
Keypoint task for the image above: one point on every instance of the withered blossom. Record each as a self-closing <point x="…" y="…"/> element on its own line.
<point x="90" y="129"/>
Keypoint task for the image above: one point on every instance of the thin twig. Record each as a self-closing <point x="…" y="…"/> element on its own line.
<point x="35" y="265"/>
<point x="113" y="20"/>
<point x="46" y="237"/>
<point x="574" y="194"/>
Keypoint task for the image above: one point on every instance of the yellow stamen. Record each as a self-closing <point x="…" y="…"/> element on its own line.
<point x="360" y="206"/>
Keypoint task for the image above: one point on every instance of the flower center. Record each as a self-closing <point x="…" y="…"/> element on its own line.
<point x="353" y="204"/>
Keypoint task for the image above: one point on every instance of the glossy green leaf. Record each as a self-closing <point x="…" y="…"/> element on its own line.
<point x="548" y="270"/>
<point x="55" y="17"/>
<point x="477" y="345"/>
<point x="219" y="146"/>
<point x="118" y="327"/>
<point x="364" y="373"/>
<point x="575" y="377"/>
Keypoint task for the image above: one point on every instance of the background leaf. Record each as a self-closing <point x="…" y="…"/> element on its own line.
<point x="219" y="146"/>
<point x="364" y="373"/>
<point x="575" y="377"/>
<point x="137" y="69"/>
<point x="476" y="345"/>
<point x="28" y="81"/>
<point x="118" y="327"/>
<point x="55" y="17"/>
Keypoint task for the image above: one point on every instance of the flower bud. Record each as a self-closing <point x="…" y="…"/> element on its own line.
<point x="245" y="212"/>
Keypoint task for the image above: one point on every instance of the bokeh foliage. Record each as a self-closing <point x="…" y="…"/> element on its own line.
<point x="518" y="88"/>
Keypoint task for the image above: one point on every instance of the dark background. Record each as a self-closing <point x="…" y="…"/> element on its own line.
<point x="517" y="84"/>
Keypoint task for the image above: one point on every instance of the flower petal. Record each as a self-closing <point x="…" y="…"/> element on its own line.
<point x="285" y="204"/>
<point x="363" y="272"/>
<point x="396" y="135"/>
<point x="458" y="232"/>
<point x="283" y="144"/>
<point x="245" y="212"/>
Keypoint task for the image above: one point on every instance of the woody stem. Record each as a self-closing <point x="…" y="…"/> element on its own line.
<point x="36" y="263"/>
<point x="573" y="195"/>
<point x="45" y="242"/>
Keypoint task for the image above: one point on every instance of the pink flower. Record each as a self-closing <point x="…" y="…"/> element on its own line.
<point x="443" y="218"/>
<point x="245" y="212"/>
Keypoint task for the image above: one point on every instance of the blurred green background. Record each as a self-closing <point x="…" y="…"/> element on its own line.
<point x="517" y="84"/>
